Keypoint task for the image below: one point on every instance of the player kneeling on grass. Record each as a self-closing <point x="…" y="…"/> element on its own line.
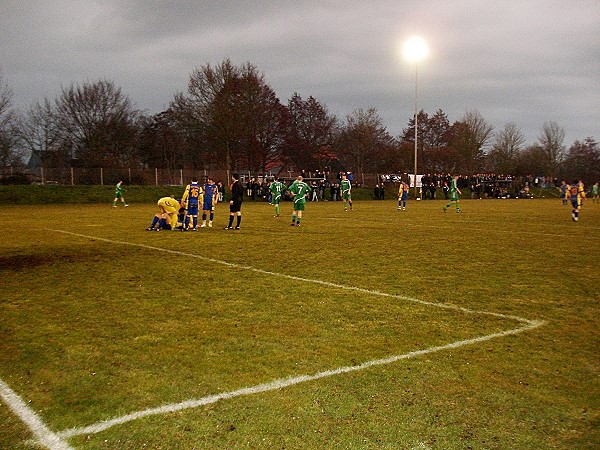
<point x="166" y="218"/>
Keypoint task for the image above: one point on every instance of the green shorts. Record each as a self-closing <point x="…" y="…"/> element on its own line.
<point x="347" y="196"/>
<point x="299" y="205"/>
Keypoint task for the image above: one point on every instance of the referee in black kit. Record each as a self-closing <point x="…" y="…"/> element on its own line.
<point x="235" y="204"/>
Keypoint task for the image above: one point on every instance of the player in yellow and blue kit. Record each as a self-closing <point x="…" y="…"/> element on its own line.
<point x="576" y="195"/>
<point x="190" y="200"/>
<point x="211" y="195"/>
<point x="166" y="218"/>
<point x="402" y="195"/>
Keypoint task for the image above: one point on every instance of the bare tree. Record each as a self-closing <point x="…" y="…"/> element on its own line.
<point x="9" y="153"/>
<point x="506" y="149"/>
<point x="309" y="135"/>
<point x="98" y="124"/>
<point x="582" y="161"/>
<point x="471" y="136"/>
<point x="362" y="139"/>
<point x="40" y="135"/>
<point x="551" y="140"/>
<point x="233" y="114"/>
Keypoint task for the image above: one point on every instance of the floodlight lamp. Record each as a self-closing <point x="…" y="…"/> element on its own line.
<point x="415" y="49"/>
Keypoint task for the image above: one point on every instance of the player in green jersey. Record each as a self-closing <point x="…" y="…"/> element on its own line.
<point x="454" y="193"/>
<point x="346" y="191"/>
<point x="299" y="189"/>
<point x="119" y="189"/>
<point x="277" y="188"/>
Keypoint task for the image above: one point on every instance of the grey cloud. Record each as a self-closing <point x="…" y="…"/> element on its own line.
<point x="523" y="62"/>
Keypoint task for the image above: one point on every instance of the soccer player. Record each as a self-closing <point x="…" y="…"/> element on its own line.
<point x="119" y="189"/>
<point x="277" y="188"/>
<point x="346" y="189"/>
<point x="235" y="204"/>
<point x="595" y="193"/>
<point x="211" y="196"/>
<point x="402" y="195"/>
<point x="166" y="218"/>
<point x="190" y="200"/>
<point x="299" y="189"/>
<point x="564" y="192"/>
<point x="576" y="195"/>
<point x="454" y="193"/>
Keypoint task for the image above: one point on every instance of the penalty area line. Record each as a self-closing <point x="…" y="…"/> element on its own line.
<point x="303" y="279"/>
<point x="43" y="436"/>
<point x="286" y="382"/>
<point x="281" y="383"/>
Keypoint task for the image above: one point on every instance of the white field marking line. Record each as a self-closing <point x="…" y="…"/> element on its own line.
<point x="28" y="416"/>
<point x="281" y="384"/>
<point x="305" y="280"/>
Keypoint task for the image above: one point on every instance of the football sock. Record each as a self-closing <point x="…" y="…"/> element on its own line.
<point x="239" y="220"/>
<point x="154" y="222"/>
<point x="293" y="218"/>
<point x="230" y="221"/>
<point x="162" y="223"/>
<point x="204" y="217"/>
<point x="211" y="217"/>
<point x="195" y="221"/>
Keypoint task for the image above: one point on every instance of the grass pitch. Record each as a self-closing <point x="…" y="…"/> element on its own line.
<point x="103" y="321"/>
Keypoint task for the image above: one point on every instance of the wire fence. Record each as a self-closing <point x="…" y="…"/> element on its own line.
<point x="159" y="176"/>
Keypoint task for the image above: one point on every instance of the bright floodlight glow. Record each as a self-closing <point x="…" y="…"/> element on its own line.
<point x="415" y="49"/>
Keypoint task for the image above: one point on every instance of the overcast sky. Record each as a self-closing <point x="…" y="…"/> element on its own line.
<point x="522" y="61"/>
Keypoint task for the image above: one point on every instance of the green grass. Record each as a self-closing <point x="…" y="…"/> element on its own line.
<point x="92" y="330"/>
<point x="52" y="194"/>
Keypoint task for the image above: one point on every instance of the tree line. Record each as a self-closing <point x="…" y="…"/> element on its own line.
<point x="229" y="118"/>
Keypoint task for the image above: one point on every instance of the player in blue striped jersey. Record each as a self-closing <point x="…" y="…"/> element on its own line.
<point x="211" y="195"/>
<point x="190" y="200"/>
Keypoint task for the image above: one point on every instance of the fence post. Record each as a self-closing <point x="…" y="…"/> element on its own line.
<point x="72" y="177"/>
<point x="156" y="175"/>
<point x="43" y="180"/>
<point x="101" y="177"/>
<point x="129" y="170"/>
<point x="181" y="176"/>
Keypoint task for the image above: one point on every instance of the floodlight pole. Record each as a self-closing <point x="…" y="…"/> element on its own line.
<point x="416" y="128"/>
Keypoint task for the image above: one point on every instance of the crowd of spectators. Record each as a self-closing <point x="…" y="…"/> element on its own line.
<point x="326" y="186"/>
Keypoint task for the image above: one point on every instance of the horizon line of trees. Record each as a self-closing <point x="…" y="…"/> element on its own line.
<point x="231" y="119"/>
